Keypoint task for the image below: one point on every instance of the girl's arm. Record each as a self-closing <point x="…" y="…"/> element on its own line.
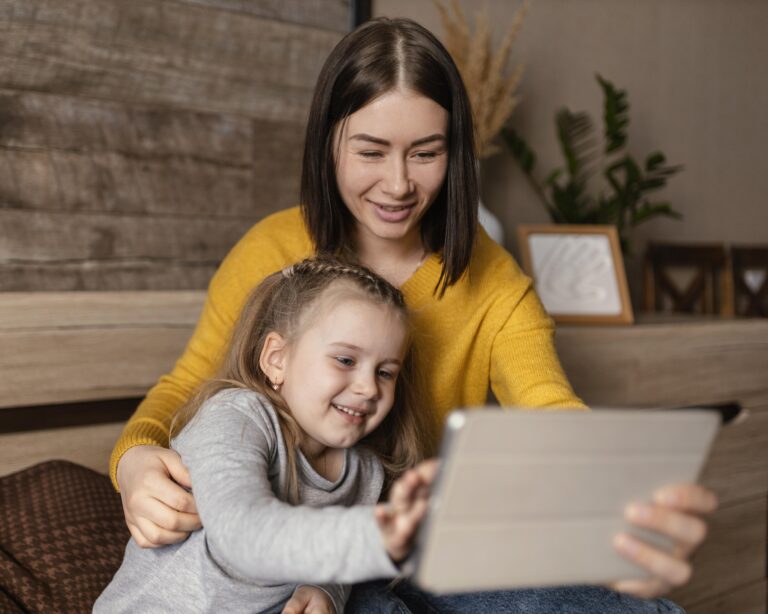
<point x="229" y="448"/>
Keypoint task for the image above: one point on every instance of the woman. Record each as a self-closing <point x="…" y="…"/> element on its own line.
<point x="389" y="179"/>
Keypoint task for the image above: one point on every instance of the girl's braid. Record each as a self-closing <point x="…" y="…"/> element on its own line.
<point x="370" y="281"/>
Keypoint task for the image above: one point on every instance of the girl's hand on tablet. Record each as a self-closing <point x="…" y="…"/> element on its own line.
<point x="158" y="511"/>
<point x="408" y="502"/>
<point x="676" y="513"/>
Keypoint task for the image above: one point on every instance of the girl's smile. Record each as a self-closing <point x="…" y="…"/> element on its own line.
<point x="353" y="349"/>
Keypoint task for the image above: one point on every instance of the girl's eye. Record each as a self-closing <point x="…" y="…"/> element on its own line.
<point x="384" y="374"/>
<point x="346" y="361"/>
<point x="425" y="156"/>
<point x="371" y="154"/>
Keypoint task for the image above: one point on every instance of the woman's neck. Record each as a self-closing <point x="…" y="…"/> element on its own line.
<point x="395" y="260"/>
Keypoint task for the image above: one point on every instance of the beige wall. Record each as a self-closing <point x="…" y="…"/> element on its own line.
<point x="697" y="76"/>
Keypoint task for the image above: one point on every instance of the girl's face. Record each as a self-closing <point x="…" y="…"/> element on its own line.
<point x="391" y="163"/>
<point x="339" y="375"/>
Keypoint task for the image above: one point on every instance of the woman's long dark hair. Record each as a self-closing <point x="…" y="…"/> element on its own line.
<point x="374" y="59"/>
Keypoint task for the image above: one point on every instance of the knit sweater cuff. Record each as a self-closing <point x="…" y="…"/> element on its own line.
<point x="142" y="432"/>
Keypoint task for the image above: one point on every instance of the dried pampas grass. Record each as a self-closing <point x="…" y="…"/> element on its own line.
<point x="491" y="90"/>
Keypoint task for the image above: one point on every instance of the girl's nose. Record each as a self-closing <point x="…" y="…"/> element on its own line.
<point x="398" y="183"/>
<point x="365" y="385"/>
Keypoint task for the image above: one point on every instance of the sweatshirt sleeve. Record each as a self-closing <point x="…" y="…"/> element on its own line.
<point x="250" y="532"/>
<point x="525" y="369"/>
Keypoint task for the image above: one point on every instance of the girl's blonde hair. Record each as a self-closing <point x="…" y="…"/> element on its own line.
<point x="403" y="438"/>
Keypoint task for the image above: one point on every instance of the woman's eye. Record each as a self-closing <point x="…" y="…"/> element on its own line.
<point x="425" y="155"/>
<point x="346" y="361"/>
<point x="371" y="154"/>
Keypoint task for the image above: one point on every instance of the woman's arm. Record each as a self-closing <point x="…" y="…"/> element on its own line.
<point x="525" y="371"/>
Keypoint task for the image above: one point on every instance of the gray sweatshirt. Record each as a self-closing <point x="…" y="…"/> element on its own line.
<point x="255" y="548"/>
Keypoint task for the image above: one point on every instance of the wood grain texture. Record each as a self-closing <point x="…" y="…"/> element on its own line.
<point x="732" y="556"/>
<point x="673" y="364"/>
<point x="71" y="236"/>
<point x="31" y="120"/>
<point x="162" y="52"/>
<point x="60" y="347"/>
<point x="331" y="15"/>
<point x="749" y="599"/>
<point x="738" y="463"/>
<point x="87" y="445"/>
<point x="105" y="275"/>
<point x="63" y="153"/>
<point x="98" y="182"/>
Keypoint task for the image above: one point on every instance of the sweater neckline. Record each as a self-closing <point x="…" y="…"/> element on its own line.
<point x="420" y="285"/>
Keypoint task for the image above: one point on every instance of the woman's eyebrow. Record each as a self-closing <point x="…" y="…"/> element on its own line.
<point x="374" y="139"/>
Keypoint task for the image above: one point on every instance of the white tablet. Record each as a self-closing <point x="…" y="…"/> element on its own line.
<point x="534" y="498"/>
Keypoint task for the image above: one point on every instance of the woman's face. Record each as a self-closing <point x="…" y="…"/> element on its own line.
<point x="392" y="156"/>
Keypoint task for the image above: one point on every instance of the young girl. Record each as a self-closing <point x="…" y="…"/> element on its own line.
<point x="288" y="450"/>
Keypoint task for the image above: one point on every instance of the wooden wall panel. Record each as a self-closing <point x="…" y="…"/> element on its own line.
<point x="54" y="180"/>
<point x="89" y="236"/>
<point x="32" y="120"/>
<point x="320" y="14"/>
<point x="162" y="52"/>
<point x="733" y="555"/>
<point x="139" y="140"/>
<point x="748" y="599"/>
<point x="104" y="275"/>
<point x="738" y="464"/>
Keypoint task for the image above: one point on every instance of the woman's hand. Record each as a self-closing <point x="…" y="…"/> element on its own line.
<point x="158" y="511"/>
<point x="408" y="501"/>
<point x="309" y="599"/>
<point x="675" y="512"/>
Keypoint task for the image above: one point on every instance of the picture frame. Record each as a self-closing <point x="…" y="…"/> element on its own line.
<point x="578" y="272"/>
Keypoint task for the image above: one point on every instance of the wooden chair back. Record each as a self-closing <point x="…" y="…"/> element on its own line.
<point x="750" y="281"/>
<point x="708" y="291"/>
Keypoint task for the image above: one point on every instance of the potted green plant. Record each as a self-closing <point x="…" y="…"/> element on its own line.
<point x="624" y="199"/>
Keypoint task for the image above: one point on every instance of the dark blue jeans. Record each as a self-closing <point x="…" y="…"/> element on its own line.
<point x="404" y="598"/>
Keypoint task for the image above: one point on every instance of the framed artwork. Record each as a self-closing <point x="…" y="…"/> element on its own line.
<point x="578" y="272"/>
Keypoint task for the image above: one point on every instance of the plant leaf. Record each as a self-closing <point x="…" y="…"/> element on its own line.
<point x="519" y="149"/>
<point x="650" y="210"/>
<point x="575" y="134"/>
<point x="615" y="115"/>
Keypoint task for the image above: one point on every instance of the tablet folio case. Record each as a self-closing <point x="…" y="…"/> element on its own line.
<point x="534" y="498"/>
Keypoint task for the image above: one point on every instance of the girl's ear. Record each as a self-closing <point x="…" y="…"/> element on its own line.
<point x="272" y="358"/>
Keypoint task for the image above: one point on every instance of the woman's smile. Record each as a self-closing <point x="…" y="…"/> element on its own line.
<point x="392" y="160"/>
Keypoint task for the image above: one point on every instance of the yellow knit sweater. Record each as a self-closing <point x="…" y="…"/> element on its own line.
<point x="488" y="328"/>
